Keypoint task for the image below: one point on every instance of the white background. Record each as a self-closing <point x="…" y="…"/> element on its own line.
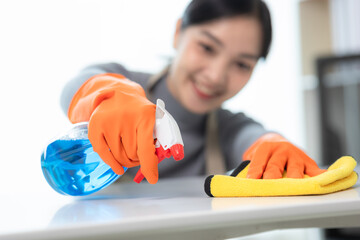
<point x="44" y="43"/>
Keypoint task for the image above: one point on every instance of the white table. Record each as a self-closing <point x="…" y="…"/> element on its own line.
<point x="171" y="209"/>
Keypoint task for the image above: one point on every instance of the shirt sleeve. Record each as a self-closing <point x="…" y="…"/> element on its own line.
<point x="74" y="84"/>
<point x="237" y="133"/>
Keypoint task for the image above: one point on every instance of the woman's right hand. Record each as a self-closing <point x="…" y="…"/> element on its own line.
<point x="121" y="122"/>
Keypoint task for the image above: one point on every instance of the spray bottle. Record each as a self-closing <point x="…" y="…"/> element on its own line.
<point x="71" y="167"/>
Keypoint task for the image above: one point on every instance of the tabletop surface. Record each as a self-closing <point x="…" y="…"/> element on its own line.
<point x="172" y="205"/>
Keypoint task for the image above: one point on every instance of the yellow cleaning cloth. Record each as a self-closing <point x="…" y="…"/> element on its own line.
<point x="339" y="176"/>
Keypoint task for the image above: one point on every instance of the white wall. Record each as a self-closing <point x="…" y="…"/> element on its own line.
<point x="44" y="43"/>
<point x="345" y="21"/>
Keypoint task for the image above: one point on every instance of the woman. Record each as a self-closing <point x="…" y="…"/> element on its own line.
<point x="218" y="43"/>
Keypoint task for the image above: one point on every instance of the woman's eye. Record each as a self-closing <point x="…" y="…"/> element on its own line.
<point x="243" y="66"/>
<point x="207" y="48"/>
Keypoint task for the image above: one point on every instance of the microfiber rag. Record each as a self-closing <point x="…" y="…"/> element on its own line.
<point x="339" y="176"/>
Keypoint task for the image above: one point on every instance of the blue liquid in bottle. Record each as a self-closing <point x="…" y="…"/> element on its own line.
<point x="71" y="167"/>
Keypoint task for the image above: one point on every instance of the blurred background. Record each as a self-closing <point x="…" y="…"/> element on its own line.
<point x="307" y="89"/>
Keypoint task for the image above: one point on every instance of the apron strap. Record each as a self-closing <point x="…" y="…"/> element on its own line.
<point x="214" y="160"/>
<point x="215" y="163"/>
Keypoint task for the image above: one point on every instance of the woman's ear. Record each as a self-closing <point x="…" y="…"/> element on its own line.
<point x="177" y="33"/>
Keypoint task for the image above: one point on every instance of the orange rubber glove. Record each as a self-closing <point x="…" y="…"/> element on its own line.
<point x="272" y="153"/>
<point x="121" y="122"/>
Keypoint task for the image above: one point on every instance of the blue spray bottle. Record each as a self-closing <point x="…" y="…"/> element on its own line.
<point x="71" y="167"/>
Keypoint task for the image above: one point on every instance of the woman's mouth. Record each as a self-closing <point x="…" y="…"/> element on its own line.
<point x="203" y="92"/>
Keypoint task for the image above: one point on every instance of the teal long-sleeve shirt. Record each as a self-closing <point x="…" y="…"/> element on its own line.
<point x="236" y="131"/>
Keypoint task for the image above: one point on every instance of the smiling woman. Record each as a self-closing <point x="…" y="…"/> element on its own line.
<point x="217" y="46"/>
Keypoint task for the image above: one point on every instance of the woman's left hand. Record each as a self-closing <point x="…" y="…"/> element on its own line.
<point x="271" y="153"/>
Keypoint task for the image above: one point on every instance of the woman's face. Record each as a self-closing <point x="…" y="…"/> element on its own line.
<point x="214" y="61"/>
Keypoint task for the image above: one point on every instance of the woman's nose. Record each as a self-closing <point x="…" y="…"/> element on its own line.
<point x="217" y="72"/>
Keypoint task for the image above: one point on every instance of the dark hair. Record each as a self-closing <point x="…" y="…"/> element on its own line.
<point x="202" y="11"/>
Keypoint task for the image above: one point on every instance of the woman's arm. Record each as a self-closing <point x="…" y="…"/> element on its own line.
<point x="237" y="133"/>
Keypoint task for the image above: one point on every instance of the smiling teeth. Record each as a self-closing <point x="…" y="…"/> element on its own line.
<point x="204" y="89"/>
